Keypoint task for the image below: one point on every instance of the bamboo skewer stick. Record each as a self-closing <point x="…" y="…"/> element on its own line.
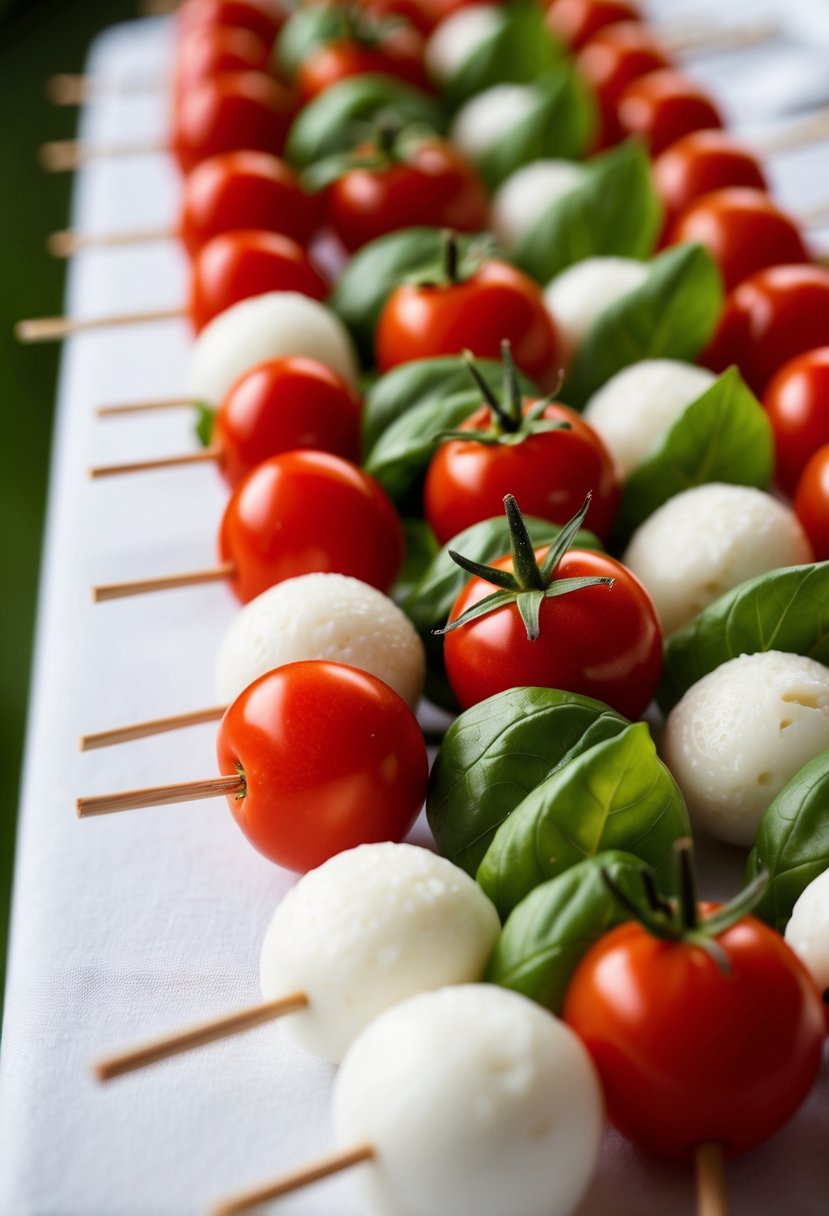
<point x="115" y="591"/>
<point x="314" y="1171"/>
<point x="712" y="1197"/>
<point x="66" y="243"/>
<point x="198" y="1036"/>
<point x="158" y="795"/>
<point x="155" y="726"/>
<point x="64" y="155"/>
<point x="142" y="407"/>
<point x="73" y="89"/>
<point x="810" y="129"/>
<point x="205" y="455"/>
<point x="702" y="39"/>
<point x="52" y="329"/>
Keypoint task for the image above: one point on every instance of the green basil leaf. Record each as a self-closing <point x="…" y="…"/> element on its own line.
<point x="421" y="547"/>
<point x="617" y="795"/>
<point x="561" y="123"/>
<point x="615" y="211"/>
<point x="671" y="315"/>
<point x="792" y="841"/>
<point x="204" y="424"/>
<point x="519" y="50"/>
<point x="499" y="750"/>
<point x="305" y="30"/>
<point x="784" y="610"/>
<point x="548" y="933"/>
<point x="725" y="435"/>
<point x="404" y="449"/>
<point x="333" y="121"/>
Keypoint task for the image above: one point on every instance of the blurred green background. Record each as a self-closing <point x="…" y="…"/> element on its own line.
<point x="36" y="39"/>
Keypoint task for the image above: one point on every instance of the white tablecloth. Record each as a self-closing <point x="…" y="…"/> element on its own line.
<point x="134" y="924"/>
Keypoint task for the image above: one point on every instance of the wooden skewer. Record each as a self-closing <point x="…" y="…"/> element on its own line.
<point x="71" y="89"/>
<point x="63" y="155"/>
<point x="52" y="329"/>
<point x="702" y="39"/>
<point x="810" y="129"/>
<point x="712" y="1197"/>
<point x="141" y="407"/>
<point x="314" y="1171"/>
<point x="66" y="243"/>
<point x="158" y="795"/>
<point x="197" y="1036"/>
<point x="141" y="586"/>
<point x="156" y="726"/>
<point x="162" y="462"/>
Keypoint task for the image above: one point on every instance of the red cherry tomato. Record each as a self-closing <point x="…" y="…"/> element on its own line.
<point x="700" y="163"/>
<point x="575" y="22"/>
<point x="688" y="1055"/>
<point x="399" y="54"/>
<point x="245" y="190"/>
<point x="262" y="17"/>
<point x="797" y="403"/>
<point x="206" y="51"/>
<point x="552" y="470"/>
<point x="811" y="502"/>
<point x="282" y="405"/>
<point x="232" y="112"/>
<point x="601" y="641"/>
<point x="662" y="106"/>
<point x="431" y="184"/>
<point x="331" y="758"/>
<point x="238" y="265"/>
<point x="497" y="302"/>
<point x="304" y="512"/>
<point x="771" y="317"/>
<point x="743" y="230"/>
<point x="612" y="59"/>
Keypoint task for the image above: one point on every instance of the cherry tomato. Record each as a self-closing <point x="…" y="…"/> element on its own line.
<point x="398" y="54"/>
<point x="238" y="265"/>
<point x="494" y="303"/>
<point x="245" y="190"/>
<point x="331" y="758"/>
<point x="612" y="59"/>
<point x="797" y="403"/>
<point x="662" y="106"/>
<point x="262" y="17"/>
<point x="743" y="230"/>
<point x="303" y="512"/>
<point x="282" y="405"/>
<point x="552" y="470"/>
<point x="425" y="182"/>
<point x="771" y="317"/>
<point x="575" y="22"/>
<point x="206" y="51"/>
<point x="232" y="112"/>
<point x="688" y="1055"/>
<point x="700" y="163"/>
<point x="811" y="502"/>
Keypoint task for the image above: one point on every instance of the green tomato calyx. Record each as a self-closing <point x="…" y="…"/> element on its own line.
<point x="456" y="262"/>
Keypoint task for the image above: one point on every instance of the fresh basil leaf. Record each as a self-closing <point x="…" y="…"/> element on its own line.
<point x="671" y="315"/>
<point x="204" y="424"/>
<point x="782" y="610"/>
<point x="405" y="448"/>
<point x="615" y="211"/>
<point x="725" y="435"/>
<point x="519" y="50"/>
<point x="792" y="842"/>
<point x="548" y="933"/>
<point x="305" y="30"/>
<point x="499" y="750"/>
<point x="421" y="547"/>
<point x="617" y="795"/>
<point x="334" y="121"/>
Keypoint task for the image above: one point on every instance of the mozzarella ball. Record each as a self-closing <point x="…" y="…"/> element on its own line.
<point x="741" y="732"/>
<point x="808" y="930"/>
<point x="578" y="296"/>
<point x="267" y="327"/>
<point x="528" y="194"/>
<point x="322" y="616"/>
<point x="704" y="541"/>
<point x="640" y="404"/>
<point x="476" y="1101"/>
<point x="367" y="929"/>
<point x="458" y="37"/>
<point x="490" y="117"/>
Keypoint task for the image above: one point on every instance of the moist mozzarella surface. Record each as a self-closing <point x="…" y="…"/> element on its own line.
<point x="578" y="296"/>
<point x="531" y="191"/>
<point x="458" y="37"/>
<point x="808" y="929"/>
<point x="489" y="117"/>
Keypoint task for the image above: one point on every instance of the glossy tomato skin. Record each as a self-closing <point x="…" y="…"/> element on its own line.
<point x="400" y="55"/>
<point x="611" y="60"/>
<point x="662" y="106"/>
<point x="811" y="502"/>
<point x="434" y="186"/>
<point x="771" y="317"/>
<point x="231" y="112"/>
<point x="797" y="403"/>
<point x="497" y="302"/>
<point x="553" y="472"/>
<point x="699" y="163"/>
<point x="238" y="265"/>
<point x="264" y="18"/>
<point x="687" y="1055"/>
<point x="332" y="758"/>
<point x="576" y="21"/>
<point x="743" y="231"/>
<point x="304" y="512"/>
<point x="281" y="405"/>
<point x="601" y="641"/>
<point x="206" y="51"/>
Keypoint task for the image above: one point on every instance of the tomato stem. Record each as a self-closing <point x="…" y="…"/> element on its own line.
<point x="451" y="256"/>
<point x="688" y="903"/>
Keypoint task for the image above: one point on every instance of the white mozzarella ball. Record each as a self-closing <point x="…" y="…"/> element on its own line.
<point x="704" y="541"/>
<point x="531" y="191"/>
<point x="367" y="929"/>
<point x="490" y="117"/>
<point x="322" y="616"/>
<point x="476" y="1101"/>
<point x="578" y="296"/>
<point x="808" y="929"/>
<point x="267" y="327"/>
<point x="640" y="404"/>
<point x="741" y="732"/>
<point x="458" y="37"/>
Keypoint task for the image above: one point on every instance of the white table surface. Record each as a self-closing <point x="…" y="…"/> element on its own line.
<point x="135" y="924"/>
